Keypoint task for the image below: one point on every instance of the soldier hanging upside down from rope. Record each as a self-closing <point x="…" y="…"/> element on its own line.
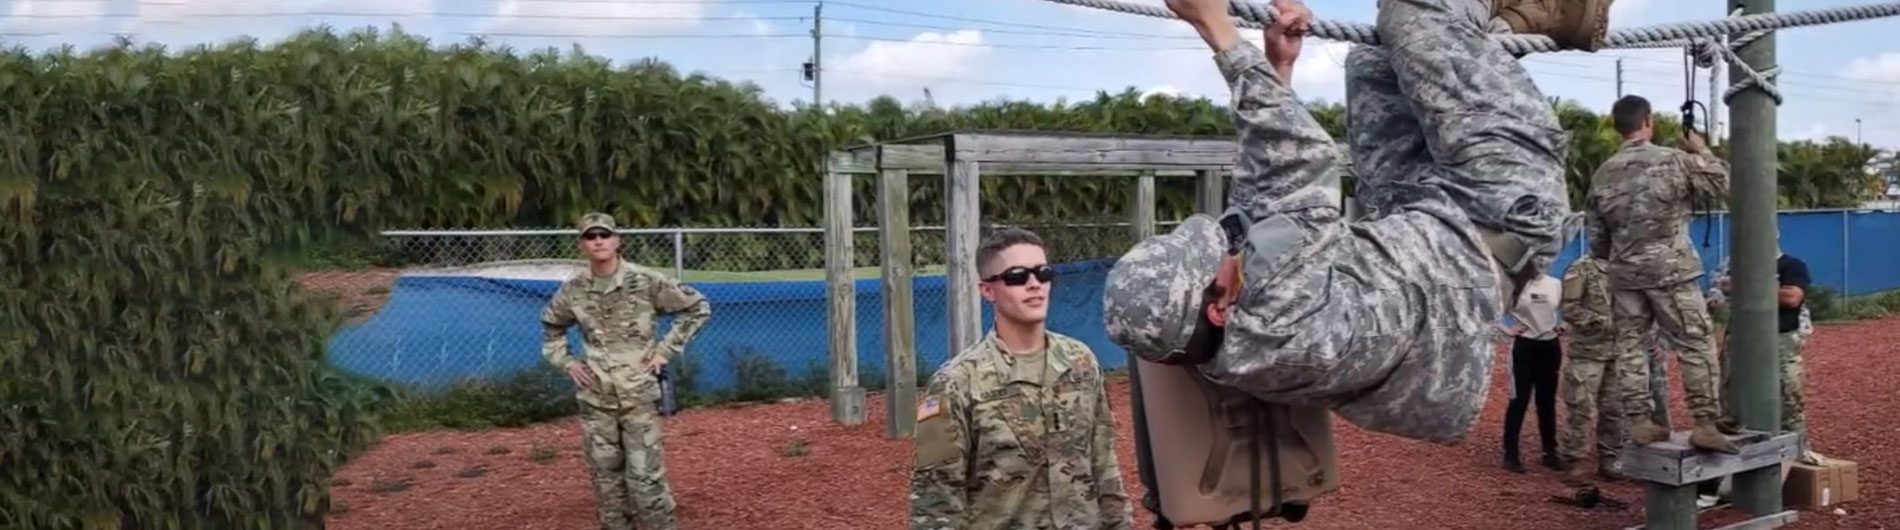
<point x="1387" y="319"/>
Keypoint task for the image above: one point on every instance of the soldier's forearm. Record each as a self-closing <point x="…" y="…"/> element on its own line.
<point x="1286" y="158"/>
<point x="554" y="345"/>
<point x="686" y="326"/>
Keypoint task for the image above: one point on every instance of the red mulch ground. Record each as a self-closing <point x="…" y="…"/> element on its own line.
<point x="728" y="472"/>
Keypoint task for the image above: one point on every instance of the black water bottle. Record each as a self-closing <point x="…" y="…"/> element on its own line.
<point x="667" y="404"/>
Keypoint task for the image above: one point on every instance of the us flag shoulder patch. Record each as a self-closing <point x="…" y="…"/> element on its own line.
<point x="928" y="407"/>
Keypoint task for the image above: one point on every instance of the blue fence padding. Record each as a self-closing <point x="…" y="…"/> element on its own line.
<point x="437" y="330"/>
<point x="1851" y="252"/>
<point x="1873" y="252"/>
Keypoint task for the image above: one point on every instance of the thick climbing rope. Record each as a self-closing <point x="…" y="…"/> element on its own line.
<point x="1698" y="39"/>
<point x="1254" y="15"/>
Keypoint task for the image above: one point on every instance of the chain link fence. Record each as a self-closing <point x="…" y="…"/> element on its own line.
<point x="455" y="306"/>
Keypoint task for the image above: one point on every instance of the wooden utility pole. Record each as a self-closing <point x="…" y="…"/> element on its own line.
<point x="1752" y="160"/>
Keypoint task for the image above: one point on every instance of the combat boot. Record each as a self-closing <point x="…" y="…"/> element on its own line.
<point x="1577" y="476"/>
<point x="1728" y="426"/>
<point x="1709" y="438"/>
<point x="1645" y="431"/>
<point x="1574" y="24"/>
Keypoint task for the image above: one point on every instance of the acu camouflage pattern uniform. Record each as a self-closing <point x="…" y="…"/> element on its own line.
<point x="620" y="420"/>
<point x="1638" y="215"/>
<point x="1009" y="441"/>
<point x="1386" y="320"/>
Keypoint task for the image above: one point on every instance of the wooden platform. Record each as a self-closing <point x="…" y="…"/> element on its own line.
<point x="1670" y="471"/>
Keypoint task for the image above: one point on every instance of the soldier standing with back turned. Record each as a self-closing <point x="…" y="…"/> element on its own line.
<point x="617" y="305"/>
<point x="1638" y="217"/>
<point x="1590" y="392"/>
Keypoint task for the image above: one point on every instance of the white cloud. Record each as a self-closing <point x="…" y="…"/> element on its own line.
<point x="38" y="17"/>
<point x="1320" y="73"/>
<point x="593" y="18"/>
<point x="1880" y="77"/>
<point x="185" y="23"/>
<point x="1165" y="90"/>
<point x="1884" y="68"/>
<point x="915" y="62"/>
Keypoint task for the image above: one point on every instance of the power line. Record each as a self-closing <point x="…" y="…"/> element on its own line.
<point x="623" y="36"/>
<point x="960" y="80"/>
<point x="986" y="21"/>
<point x="1084" y="35"/>
<point x="1015" y="46"/>
<point x="403" y="15"/>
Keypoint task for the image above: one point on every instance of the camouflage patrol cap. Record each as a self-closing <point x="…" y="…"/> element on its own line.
<point x="595" y="220"/>
<point x="1152" y="299"/>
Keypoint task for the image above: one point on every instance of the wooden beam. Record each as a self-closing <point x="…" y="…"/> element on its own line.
<point x="900" y="326"/>
<point x="1675" y="462"/>
<point x="927" y="159"/>
<point x="847" y="398"/>
<point x="962" y="211"/>
<point x="1208" y="188"/>
<point x="1084" y="152"/>
<point x="1141" y="208"/>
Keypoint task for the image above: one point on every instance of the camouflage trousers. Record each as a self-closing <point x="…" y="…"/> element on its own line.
<point x="1387" y="320"/>
<point x="1793" y="410"/>
<point x="1681" y="316"/>
<point x="1592" y="394"/>
<point x="622" y="449"/>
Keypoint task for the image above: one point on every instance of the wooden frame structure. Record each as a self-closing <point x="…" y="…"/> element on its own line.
<point x="962" y="158"/>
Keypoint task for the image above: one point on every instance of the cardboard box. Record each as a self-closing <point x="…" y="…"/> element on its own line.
<point x="1833" y="482"/>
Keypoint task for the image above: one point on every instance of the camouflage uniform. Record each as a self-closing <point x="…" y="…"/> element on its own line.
<point x="1590" y="375"/>
<point x="620" y="420"/>
<point x="1017" y="441"/>
<point x="1386" y="320"/>
<point x="1638" y="213"/>
<point x="1789" y="345"/>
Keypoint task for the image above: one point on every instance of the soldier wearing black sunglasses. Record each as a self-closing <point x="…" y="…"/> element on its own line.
<point x="617" y="305"/>
<point x="1024" y="409"/>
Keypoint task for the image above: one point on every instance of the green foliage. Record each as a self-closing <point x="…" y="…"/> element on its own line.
<point x="158" y="369"/>
<point x="1827" y="305"/>
<point x="530" y="396"/>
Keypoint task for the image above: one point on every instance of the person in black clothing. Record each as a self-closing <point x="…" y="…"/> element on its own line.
<point x="1794" y="327"/>
<point x="1536" y="356"/>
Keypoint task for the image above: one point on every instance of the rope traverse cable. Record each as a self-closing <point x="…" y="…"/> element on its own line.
<point x="1253" y="15"/>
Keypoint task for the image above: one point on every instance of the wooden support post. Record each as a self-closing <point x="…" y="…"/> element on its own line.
<point x="900" y="320"/>
<point x="847" y="398"/>
<point x="1668" y="507"/>
<point x="1752" y="197"/>
<point x="1141" y="208"/>
<point x="1208" y="199"/>
<point x="962" y="210"/>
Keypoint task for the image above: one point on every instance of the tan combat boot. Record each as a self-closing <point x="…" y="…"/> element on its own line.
<point x="1645" y="431"/>
<point x="1577" y="476"/>
<point x="1574" y="24"/>
<point x="1708" y="437"/>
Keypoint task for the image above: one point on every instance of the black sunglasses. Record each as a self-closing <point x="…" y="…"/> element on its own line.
<point x="1015" y="276"/>
<point x="596" y="234"/>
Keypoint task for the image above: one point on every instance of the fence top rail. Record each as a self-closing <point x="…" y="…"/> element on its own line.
<point x="671" y="231"/>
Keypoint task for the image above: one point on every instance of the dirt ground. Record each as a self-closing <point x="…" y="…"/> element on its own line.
<point x="746" y="468"/>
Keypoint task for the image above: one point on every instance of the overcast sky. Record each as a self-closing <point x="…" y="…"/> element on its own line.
<point x="966" y="51"/>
